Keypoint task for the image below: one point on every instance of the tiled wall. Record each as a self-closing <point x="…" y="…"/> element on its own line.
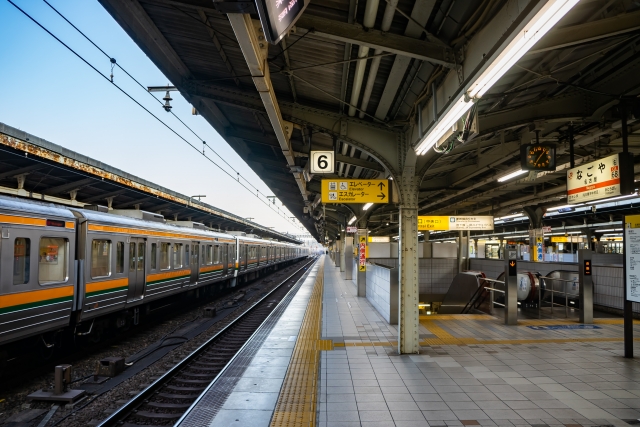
<point x="435" y="275"/>
<point x="608" y="288"/>
<point x="378" y="291"/>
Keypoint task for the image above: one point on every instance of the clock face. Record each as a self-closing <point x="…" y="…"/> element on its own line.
<point x="538" y="157"/>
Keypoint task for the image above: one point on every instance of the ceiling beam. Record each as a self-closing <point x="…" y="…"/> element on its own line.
<point x="65" y="188"/>
<point x="423" y="50"/>
<point x="19" y="171"/>
<point x="559" y="38"/>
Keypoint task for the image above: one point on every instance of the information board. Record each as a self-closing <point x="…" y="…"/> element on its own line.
<point x="448" y="223"/>
<point x="632" y="255"/>
<point x="362" y="254"/>
<point x="278" y="16"/>
<point x="604" y="178"/>
<point x="355" y="191"/>
<point x="352" y="230"/>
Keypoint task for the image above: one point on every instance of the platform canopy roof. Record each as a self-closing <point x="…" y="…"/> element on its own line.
<point x="275" y="103"/>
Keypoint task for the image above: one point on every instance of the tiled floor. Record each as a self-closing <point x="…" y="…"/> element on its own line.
<point x="504" y="376"/>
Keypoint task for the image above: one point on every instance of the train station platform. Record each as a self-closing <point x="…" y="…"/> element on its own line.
<point x="331" y="360"/>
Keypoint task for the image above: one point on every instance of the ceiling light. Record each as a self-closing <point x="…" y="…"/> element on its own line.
<point x="535" y="29"/>
<point x="511" y="175"/>
<point x="604" y="230"/>
<point x="511" y="216"/>
<point x="555" y="208"/>
<point x="353" y="218"/>
<point x="612" y="199"/>
<point x="367" y="206"/>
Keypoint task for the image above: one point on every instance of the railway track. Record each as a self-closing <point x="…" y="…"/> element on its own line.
<point x="168" y="398"/>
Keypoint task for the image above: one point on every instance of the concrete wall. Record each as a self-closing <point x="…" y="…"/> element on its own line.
<point x="383" y="292"/>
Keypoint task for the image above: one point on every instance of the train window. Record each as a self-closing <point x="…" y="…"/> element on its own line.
<point x="100" y="258"/>
<point x="216" y="254"/>
<point x="203" y="253"/>
<point x="164" y="256"/>
<point x="53" y="260"/>
<point x="21" y="260"/>
<point x="141" y="251"/>
<point x="154" y="255"/>
<point x="177" y="255"/>
<point x="132" y="256"/>
<point x="119" y="257"/>
<point x="209" y="255"/>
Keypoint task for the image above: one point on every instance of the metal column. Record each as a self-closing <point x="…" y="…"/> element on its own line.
<point x="348" y="258"/>
<point x="585" y="270"/>
<point x="408" y="331"/>
<point x="343" y="250"/>
<point x="511" y="285"/>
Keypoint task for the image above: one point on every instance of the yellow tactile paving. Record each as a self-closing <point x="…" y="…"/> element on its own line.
<point x="298" y="396"/>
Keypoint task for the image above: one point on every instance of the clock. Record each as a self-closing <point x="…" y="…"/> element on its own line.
<point x="538" y="157"/>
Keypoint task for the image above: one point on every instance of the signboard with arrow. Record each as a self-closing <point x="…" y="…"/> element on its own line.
<point x="355" y="191"/>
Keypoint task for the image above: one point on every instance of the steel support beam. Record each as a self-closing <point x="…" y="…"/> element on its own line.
<point x="255" y="50"/>
<point x="423" y="50"/>
<point x="559" y="38"/>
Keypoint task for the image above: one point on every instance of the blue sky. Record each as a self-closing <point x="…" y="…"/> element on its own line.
<point x="49" y="92"/>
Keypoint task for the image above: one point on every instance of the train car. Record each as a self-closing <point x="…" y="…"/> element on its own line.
<point x="37" y="268"/>
<point x="86" y="270"/>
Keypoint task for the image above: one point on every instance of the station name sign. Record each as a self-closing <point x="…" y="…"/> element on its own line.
<point x="608" y="177"/>
<point x="355" y="191"/>
<point x="278" y="16"/>
<point x="450" y="223"/>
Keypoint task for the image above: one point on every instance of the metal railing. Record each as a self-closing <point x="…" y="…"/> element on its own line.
<point x="491" y="292"/>
<point x="552" y="291"/>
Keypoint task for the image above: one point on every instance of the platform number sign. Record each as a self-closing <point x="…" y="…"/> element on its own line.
<point x="322" y="162"/>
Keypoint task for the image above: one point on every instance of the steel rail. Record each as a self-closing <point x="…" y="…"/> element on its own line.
<point x="128" y="408"/>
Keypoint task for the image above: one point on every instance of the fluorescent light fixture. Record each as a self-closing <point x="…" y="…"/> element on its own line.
<point x="604" y="230"/>
<point x="535" y="29"/>
<point x="555" y="208"/>
<point x="511" y="175"/>
<point x="353" y="218"/>
<point x="460" y="107"/>
<point x="612" y="199"/>
<point x="510" y="216"/>
<point x="367" y="206"/>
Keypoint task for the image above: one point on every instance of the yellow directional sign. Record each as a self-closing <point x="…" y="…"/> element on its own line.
<point x="363" y="267"/>
<point x="363" y="239"/>
<point x="342" y="190"/>
<point x="440" y="223"/>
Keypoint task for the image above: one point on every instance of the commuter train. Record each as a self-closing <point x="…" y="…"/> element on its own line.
<point x="85" y="270"/>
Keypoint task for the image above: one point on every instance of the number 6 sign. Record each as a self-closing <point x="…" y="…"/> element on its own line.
<point x="322" y="162"/>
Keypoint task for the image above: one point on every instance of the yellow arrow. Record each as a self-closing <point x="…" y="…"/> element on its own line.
<point x="512" y="263"/>
<point x="363" y="239"/>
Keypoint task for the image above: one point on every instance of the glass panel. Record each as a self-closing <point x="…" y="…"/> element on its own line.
<point x="210" y="255"/>
<point x="21" y="260"/>
<point x="154" y="255"/>
<point x="177" y="255"/>
<point x="100" y="258"/>
<point x="203" y="261"/>
<point x="53" y="260"/>
<point x="164" y="256"/>
<point x="132" y="256"/>
<point x="141" y="250"/>
<point x="120" y="257"/>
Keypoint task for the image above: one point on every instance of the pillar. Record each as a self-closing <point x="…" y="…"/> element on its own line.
<point x="342" y="245"/>
<point x="361" y="274"/>
<point x="347" y="257"/>
<point x="408" y="328"/>
<point x="585" y="283"/>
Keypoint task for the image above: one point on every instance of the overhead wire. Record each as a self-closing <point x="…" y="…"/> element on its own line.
<point x="282" y="214"/>
<point x="114" y="62"/>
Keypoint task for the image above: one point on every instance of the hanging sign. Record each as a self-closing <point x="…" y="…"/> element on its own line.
<point x="278" y="16"/>
<point x="362" y="254"/>
<point x="608" y="177"/>
<point x="322" y="162"/>
<point x="355" y="191"/>
<point x="632" y="255"/>
<point x="379" y="239"/>
<point x="444" y="223"/>
<point x="352" y="230"/>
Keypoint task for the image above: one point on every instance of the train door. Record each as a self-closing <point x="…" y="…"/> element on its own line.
<point x="137" y="276"/>
<point x="224" y="258"/>
<point x="194" y="262"/>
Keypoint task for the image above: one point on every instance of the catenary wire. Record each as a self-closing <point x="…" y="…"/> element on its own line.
<point x="146" y="109"/>
<point x="145" y="89"/>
